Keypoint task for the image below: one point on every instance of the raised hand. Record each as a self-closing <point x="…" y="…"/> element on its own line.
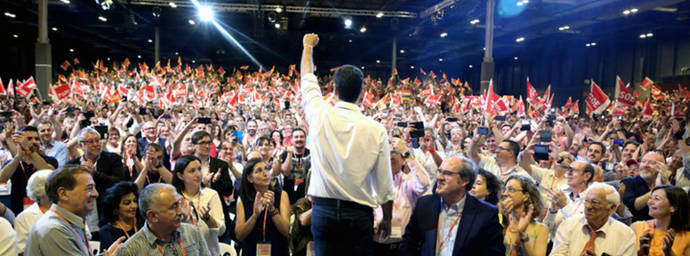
<point x="112" y="250"/>
<point x="258" y="204"/>
<point x="525" y="219"/>
<point x="668" y="242"/>
<point x="310" y="40"/>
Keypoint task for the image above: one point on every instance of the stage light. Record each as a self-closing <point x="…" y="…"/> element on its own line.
<point x="563" y="28"/>
<point x="150" y="41"/>
<point x="65" y="1"/>
<point x="650" y="34"/>
<point x="193" y="61"/>
<point x="11" y="15"/>
<point x="191" y="22"/>
<point x="363" y="29"/>
<point x="362" y="67"/>
<point x="54" y="29"/>
<point x="402" y="51"/>
<point x="378" y="61"/>
<point x="643" y="36"/>
<point x="626" y="12"/>
<point x="474" y="21"/>
<point x="348" y="23"/>
<point x="349" y="41"/>
<point x="15" y="36"/>
<point x="634" y="10"/>
<point x="593" y="43"/>
<point x="108" y="59"/>
<point x="588" y="44"/>
<point x="173" y="4"/>
<point x="277" y="25"/>
<point x="279" y="9"/>
<point x="205" y="13"/>
<point x="379" y="15"/>
<point x="440" y="60"/>
<point x="156" y="12"/>
<point x="515" y="58"/>
<point x="411" y="67"/>
<point x="71" y="50"/>
<point x="470" y="66"/>
<point x="444" y="34"/>
<point x="138" y="56"/>
<point x="519" y="39"/>
<point x="103" y="19"/>
<point x="177" y="53"/>
<point x="105" y="4"/>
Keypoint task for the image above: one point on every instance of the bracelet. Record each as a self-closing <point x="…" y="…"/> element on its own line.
<point x="274" y="212"/>
<point x="27" y="152"/>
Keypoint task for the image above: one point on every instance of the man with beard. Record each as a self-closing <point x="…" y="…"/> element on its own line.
<point x="249" y="136"/>
<point x="595" y="152"/>
<point x="295" y="164"/>
<point x="28" y="159"/>
<point x="164" y="233"/>
<point x="652" y="172"/>
<point x="62" y="229"/>
<point x="50" y="146"/>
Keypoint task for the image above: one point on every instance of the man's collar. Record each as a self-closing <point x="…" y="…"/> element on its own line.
<point x="347" y="105"/>
<point x="457" y="206"/>
<point x="69" y="216"/>
<point x="152" y="238"/>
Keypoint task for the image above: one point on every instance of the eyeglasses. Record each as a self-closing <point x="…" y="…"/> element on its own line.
<point x="594" y="202"/>
<point x="513" y="190"/>
<point x="447" y="173"/>
<point x="560" y="160"/>
<point x="502" y="148"/>
<point x="204" y="142"/>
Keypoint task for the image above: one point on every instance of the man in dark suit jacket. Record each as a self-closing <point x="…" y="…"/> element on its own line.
<point x="149" y="134"/>
<point x="468" y="226"/>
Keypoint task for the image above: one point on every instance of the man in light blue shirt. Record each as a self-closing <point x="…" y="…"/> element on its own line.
<point x="50" y="146"/>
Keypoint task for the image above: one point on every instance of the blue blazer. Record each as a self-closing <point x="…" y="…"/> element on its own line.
<point x="478" y="232"/>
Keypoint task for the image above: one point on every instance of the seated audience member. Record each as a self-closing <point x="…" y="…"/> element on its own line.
<point x="201" y="204"/>
<point x="62" y="230"/>
<point x="638" y="189"/>
<point x="409" y="187"/>
<point x="153" y="170"/>
<point x="668" y="233"/>
<point x="595" y="232"/>
<point x="27" y="218"/>
<point x="8" y="238"/>
<point x="258" y="202"/>
<point x="120" y="218"/>
<point x="486" y="187"/>
<point x="164" y="233"/>
<point x="452" y="222"/>
<point x="521" y="205"/>
<point x="27" y="160"/>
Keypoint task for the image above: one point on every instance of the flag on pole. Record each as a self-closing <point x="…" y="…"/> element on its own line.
<point x="623" y="95"/>
<point x="646" y="83"/>
<point x="596" y="100"/>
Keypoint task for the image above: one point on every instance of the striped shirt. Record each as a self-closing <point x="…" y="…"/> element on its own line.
<point x="144" y="242"/>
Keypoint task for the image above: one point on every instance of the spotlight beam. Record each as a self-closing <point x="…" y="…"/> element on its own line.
<point x="226" y="34"/>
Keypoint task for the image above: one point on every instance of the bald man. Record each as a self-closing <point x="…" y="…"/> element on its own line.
<point x="466" y="225"/>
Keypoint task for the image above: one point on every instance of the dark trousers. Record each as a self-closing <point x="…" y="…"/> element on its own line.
<point x="387" y="249"/>
<point x="342" y="228"/>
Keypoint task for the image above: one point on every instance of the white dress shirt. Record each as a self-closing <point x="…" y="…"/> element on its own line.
<point x="8" y="238"/>
<point x="427" y="161"/>
<point x="448" y="216"/>
<point x="575" y="206"/>
<point x="350" y="157"/>
<point x="24" y="222"/>
<point x="613" y="238"/>
<point x="489" y="164"/>
<point x="209" y="197"/>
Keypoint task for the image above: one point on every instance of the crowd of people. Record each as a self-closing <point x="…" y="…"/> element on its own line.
<point x="181" y="161"/>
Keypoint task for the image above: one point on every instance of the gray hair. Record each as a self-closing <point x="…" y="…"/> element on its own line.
<point x="86" y="131"/>
<point x="612" y="195"/>
<point x="36" y="187"/>
<point x="150" y="194"/>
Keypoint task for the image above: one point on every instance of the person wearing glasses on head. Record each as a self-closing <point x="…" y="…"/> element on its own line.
<point x="105" y="167"/>
<point x="451" y="221"/>
<point x="521" y="205"/>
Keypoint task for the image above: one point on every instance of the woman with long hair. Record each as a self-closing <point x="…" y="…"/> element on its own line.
<point x="668" y="233"/>
<point x="263" y="213"/>
<point x="486" y="187"/>
<point x="522" y="205"/>
<point x="130" y="156"/>
<point x="201" y="205"/>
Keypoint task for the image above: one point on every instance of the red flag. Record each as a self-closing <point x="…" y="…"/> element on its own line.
<point x="245" y="67"/>
<point x="122" y="90"/>
<point x="148" y="92"/>
<point x="221" y="71"/>
<point x="531" y="92"/>
<point x="75" y="61"/>
<point x="547" y="93"/>
<point x="432" y="75"/>
<point x="2" y="88"/>
<point x="521" y="107"/>
<point x="656" y="93"/>
<point x="491" y="99"/>
<point x="675" y="112"/>
<point x="647" y="111"/>
<point x="25" y="88"/>
<point x="623" y="95"/>
<point x="368" y="100"/>
<point x="421" y="70"/>
<point x="619" y="110"/>
<point x="597" y="100"/>
<point x="65" y="65"/>
<point x="417" y="82"/>
<point x="62" y="91"/>
<point x="395" y="72"/>
<point x="646" y="83"/>
<point x="575" y="108"/>
<point x="433" y="100"/>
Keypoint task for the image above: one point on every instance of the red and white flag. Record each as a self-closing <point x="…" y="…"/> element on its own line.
<point x="596" y="100"/>
<point x="647" y="111"/>
<point x="656" y="93"/>
<point x="646" y="83"/>
<point x="623" y="94"/>
<point x="65" y="65"/>
<point x="25" y="88"/>
<point x="531" y="92"/>
<point x="676" y="112"/>
<point x="122" y="90"/>
<point x="491" y="99"/>
<point x="62" y="91"/>
<point x="521" y="107"/>
<point x="368" y="100"/>
<point x="2" y="88"/>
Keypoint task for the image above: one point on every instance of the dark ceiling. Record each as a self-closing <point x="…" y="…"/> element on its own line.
<point x="131" y="24"/>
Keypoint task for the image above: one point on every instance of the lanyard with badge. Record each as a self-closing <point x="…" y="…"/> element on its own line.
<point x="396" y="222"/>
<point x="263" y="248"/>
<point x="179" y="241"/>
<point x="438" y="230"/>
<point x="83" y="238"/>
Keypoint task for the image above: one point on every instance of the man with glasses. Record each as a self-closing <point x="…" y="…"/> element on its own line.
<point x="214" y="172"/>
<point x="164" y="233"/>
<point x="451" y="221"/>
<point x="504" y="164"/>
<point x="149" y="134"/>
<point x="548" y="179"/>
<point x="105" y="167"/>
<point x="567" y="202"/>
<point x="27" y="160"/>
<point x="595" y="232"/>
<point x="652" y="172"/>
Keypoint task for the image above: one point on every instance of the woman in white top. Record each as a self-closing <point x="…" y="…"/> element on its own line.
<point x="27" y="218"/>
<point x="202" y="206"/>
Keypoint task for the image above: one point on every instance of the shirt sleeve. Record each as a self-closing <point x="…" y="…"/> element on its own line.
<point x="217" y="213"/>
<point x="311" y="97"/>
<point x="382" y="181"/>
<point x="561" y="244"/>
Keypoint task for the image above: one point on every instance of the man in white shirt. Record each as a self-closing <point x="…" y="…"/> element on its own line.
<point x="351" y="171"/>
<point x="504" y="164"/>
<point x="427" y="155"/>
<point x="595" y="232"/>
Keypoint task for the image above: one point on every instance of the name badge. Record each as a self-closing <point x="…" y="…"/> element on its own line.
<point x="263" y="249"/>
<point x="310" y="249"/>
<point x="27" y="202"/>
<point x="396" y="228"/>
